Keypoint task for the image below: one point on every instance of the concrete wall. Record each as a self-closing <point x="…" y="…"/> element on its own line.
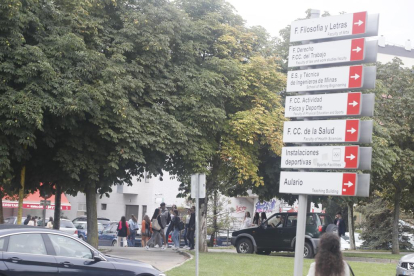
<point x="383" y="58"/>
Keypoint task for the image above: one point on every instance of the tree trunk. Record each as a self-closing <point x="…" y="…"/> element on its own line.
<point x="351" y="227"/>
<point x="213" y="234"/>
<point x="92" y="215"/>
<point x="395" y="242"/>
<point x="1" y="209"/>
<point x="202" y="232"/>
<point x="58" y="200"/>
<point x="21" y="195"/>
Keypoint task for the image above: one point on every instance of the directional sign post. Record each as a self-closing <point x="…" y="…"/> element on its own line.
<point x="315" y="183"/>
<point x="342" y="51"/>
<point x="328" y="157"/>
<point x="335" y="78"/>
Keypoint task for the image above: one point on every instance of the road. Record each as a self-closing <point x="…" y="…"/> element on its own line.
<point x="161" y="259"/>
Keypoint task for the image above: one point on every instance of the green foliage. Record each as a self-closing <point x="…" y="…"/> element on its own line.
<point x="377" y="226"/>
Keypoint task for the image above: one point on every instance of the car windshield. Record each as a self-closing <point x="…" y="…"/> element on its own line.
<point x="105" y="222"/>
<point x="83" y="226"/>
<point x="66" y="224"/>
<point x="9" y="220"/>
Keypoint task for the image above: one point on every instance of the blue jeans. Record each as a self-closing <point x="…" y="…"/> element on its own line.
<point x="176" y="237"/>
<point x="185" y="235"/>
<point x="131" y="238"/>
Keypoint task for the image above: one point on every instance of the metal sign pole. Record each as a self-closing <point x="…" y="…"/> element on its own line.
<point x="300" y="235"/>
<point x="196" y="232"/>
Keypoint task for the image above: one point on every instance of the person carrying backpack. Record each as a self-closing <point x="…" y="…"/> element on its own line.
<point x="165" y="218"/>
<point x="156" y="229"/>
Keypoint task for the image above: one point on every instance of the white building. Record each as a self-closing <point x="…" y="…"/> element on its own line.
<point x="387" y="52"/>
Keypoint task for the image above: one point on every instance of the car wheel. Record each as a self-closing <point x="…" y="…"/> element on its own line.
<point x="113" y="243"/>
<point x="263" y="252"/>
<point x="244" y="246"/>
<point x="308" y="251"/>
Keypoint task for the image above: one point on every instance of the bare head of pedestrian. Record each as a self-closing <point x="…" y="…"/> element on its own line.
<point x="156" y="213"/>
<point x="328" y="260"/>
<point x="133" y="218"/>
<point x="338" y="215"/>
<point x="162" y="205"/>
<point x="247" y="214"/>
<point x="175" y="212"/>
<point x="147" y="219"/>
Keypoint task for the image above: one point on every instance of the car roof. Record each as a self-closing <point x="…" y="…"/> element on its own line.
<point x="14" y="228"/>
<point x="408" y="258"/>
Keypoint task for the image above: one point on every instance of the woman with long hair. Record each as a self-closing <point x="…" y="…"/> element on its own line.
<point x="156" y="238"/>
<point x="123" y="232"/>
<point x="256" y="219"/>
<point x="133" y="227"/>
<point x="328" y="260"/>
<point x="176" y="228"/>
<point x="50" y="223"/>
<point x="146" y="230"/>
<point x="247" y="221"/>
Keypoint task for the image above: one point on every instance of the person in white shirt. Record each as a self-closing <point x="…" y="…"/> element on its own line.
<point x="31" y="222"/>
<point x="50" y="223"/>
<point x="247" y="221"/>
<point x="329" y="261"/>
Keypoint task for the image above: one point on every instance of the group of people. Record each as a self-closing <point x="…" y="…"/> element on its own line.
<point x="31" y="220"/>
<point x="155" y="231"/>
<point x="257" y="220"/>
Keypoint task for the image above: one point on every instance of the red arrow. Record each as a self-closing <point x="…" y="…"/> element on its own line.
<point x="351" y="157"/>
<point x="359" y="22"/>
<point x="357" y="49"/>
<point x="355" y="76"/>
<point x="354" y="104"/>
<point x="349" y="184"/>
<point x="352" y="131"/>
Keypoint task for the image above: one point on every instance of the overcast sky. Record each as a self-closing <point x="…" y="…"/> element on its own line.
<point x="396" y="17"/>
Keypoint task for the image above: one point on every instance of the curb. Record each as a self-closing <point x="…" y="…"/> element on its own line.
<point x="184" y="253"/>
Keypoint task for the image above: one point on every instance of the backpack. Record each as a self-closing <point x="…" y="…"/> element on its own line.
<point x="181" y="225"/>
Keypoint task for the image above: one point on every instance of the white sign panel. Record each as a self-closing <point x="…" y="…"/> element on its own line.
<point x="314" y="183"/>
<point x="340" y="104"/>
<point x="326" y="131"/>
<point x="327" y="53"/>
<point x="329" y="27"/>
<point x="195" y="178"/>
<point x="333" y="157"/>
<point x="333" y="78"/>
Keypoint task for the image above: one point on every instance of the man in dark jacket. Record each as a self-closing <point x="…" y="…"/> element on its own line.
<point x="340" y="223"/>
<point x="191" y="229"/>
<point x="28" y="218"/>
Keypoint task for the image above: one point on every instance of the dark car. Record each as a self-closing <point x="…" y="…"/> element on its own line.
<point x="31" y="251"/>
<point x="278" y="233"/>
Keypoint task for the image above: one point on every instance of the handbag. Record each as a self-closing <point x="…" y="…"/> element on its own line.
<point x="155" y="225"/>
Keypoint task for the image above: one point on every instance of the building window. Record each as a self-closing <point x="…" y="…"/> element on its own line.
<point x="103" y="206"/>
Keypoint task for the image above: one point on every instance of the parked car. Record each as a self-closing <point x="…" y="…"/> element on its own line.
<point x="81" y="226"/>
<point x="406" y="265"/>
<point x="278" y="233"/>
<point x="65" y="226"/>
<point x="104" y="221"/>
<point x="13" y="220"/>
<point x="39" y="251"/>
<point x="109" y="236"/>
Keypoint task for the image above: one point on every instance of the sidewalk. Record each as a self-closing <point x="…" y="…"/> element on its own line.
<point x="161" y="259"/>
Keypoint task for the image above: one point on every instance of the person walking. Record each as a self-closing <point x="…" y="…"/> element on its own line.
<point x="165" y="220"/>
<point x="50" y="223"/>
<point x="187" y="222"/>
<point x="146" y="230"/>
<point x="176" y="228"/>
<point x="340" y="223"/>
<point x="256" y="219"/>
<point x="133" y="228"/>
<point x="247" y="221"/>
<point x="329" y="260"/>
<point x="31" y="222"/>
<point x="191" y="228"/>
<point x="28" y="218"/>
<point x="170" y="227"/>
<point x="156" y="231"/>
<point x="123" y="232"/>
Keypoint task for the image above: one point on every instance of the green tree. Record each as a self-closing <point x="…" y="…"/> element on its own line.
<point x="393" y="151"/>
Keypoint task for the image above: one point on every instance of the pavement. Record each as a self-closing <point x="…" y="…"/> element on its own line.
<point x="163" y="260"/>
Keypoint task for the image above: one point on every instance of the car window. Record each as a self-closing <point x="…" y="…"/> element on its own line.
<point x="325" y="220"/>
<point x="292" y="221"/>
<point x="66" y="224"/>
<point x="68" y="247"/>
<point x="27" y="243"/>
<point x="80" y="226"/>
<point x="310" y="220"/>
<point x="114" y="227"/>
<point x="2" y="240"/>
<point x="100" y="227"/>
<point x="275" y="221"/>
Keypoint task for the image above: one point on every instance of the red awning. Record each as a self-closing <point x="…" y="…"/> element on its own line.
<point x="32" y="201"/>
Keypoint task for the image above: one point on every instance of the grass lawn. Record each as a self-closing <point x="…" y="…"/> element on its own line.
<point x="223" y="264"/>
<point x="350" y="254"/>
